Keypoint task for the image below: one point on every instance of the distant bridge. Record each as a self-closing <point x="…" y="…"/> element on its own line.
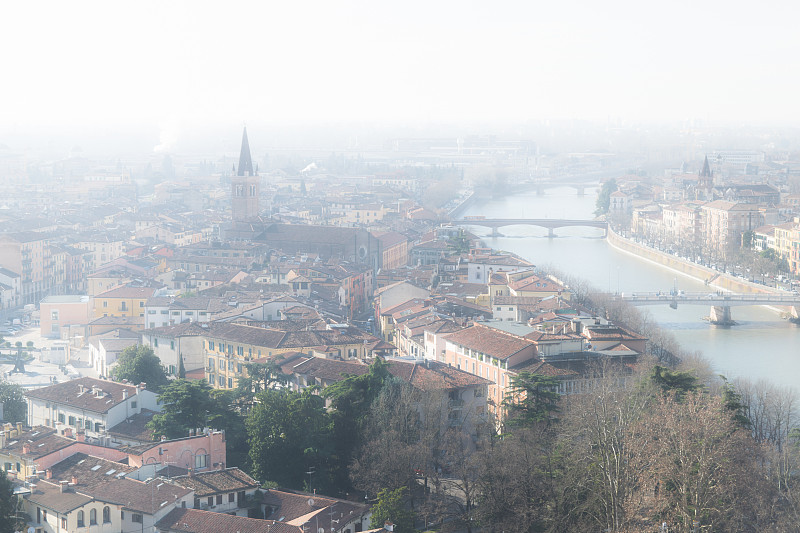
<point x="550" y="223"/>
<point x="720" y="303"/>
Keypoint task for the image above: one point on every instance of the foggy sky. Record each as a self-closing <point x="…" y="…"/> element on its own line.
<point x="182" y="65"/>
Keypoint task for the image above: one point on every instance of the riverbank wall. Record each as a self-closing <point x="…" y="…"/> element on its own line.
<point x="458" y="210"/>
<point x="711" y="277"/>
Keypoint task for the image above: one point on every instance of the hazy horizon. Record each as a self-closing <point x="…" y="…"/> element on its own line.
<point x="180" y="68"/>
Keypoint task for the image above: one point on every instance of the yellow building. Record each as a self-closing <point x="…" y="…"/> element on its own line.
<point x="122" y="302"/>
<point x="229" y="347"/>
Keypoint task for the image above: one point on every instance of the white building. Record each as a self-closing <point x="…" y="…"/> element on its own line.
<point x="88" y="404"/>
<point x="163" y="311"/>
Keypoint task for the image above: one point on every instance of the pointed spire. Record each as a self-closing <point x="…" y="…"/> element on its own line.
<point x="706" y="172"/>
<point x="245" y="162"/>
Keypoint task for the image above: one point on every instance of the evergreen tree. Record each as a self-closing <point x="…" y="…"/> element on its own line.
<point x="673" y="381"/>
<point x="391" y="507"/>
<point x="140" y="364"/>
<point x="8" y="505"/>
<point x="15" y="408"/>
<point x="531" y="399"/>
<point x="604" y="197"/>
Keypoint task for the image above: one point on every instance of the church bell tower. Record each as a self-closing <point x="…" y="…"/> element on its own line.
<point x="245" y="186"/>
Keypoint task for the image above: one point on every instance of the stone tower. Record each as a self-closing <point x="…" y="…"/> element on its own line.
<point x="245" y="187"/>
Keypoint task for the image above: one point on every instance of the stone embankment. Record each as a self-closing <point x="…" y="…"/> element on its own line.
<point x="701" y="273"/>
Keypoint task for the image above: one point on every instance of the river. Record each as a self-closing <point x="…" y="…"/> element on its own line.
<point x="761" y="345"/>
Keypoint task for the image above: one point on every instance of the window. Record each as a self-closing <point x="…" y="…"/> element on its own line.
<point x="151" y="311"/>
<point x="63" y="523"/>
<point x="61" y="417"/>
<point x="211" y="364"/>
<point x="155" y="343"/>
<point x="93" y="517"/>
<point x="240" y="496"/>
<point x="211" y="345"/>
<point x="210" y="501"/>
<point x="231" y="497"/>
<point x="171" y="345"/>
<point x="136" y="517"/>
<point x="200" y="461"/>
<point x="141" y="303"/>
<point x="105" y="303"/>
<point x="81" y="523"/>
<point x="133" y="405"/>
<point x="39" y="515"/>
<point x="197" y="503"/>
<point x="72" y="421"/>
<point x="230" y="366"/>
<point x="123" y="306"/>
<point x="219" y="499"/>
<point x="88" y="424"/>
<point x="221" y="381"/>
<point x="106" y="514"/>
<point x="239" y="350"/>
<point x="230" y="383"/>
<point x="54" y="314"/>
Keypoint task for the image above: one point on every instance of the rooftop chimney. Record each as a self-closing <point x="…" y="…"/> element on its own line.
<point x="191" y="472"/>
<point x="19" y="428"/>
<point x="2" y="439"/>
<point x="74" y="480"/>
<point x="142" y="385"/>
<point x="26" y="449"/>
<point x="81" y="436"/>
<point x="64" y="486"/>
<point x="48" y="474"/>
<point x="388" y="526"/>
<point x="124" y="394"/>
<point x="68" y="432"/>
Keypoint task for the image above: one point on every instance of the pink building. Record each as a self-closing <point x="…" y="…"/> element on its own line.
<point x="201" y="451"/>
<point x="59" y="312"/>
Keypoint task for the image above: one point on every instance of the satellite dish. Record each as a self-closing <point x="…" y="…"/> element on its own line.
<point x="311" y="502"/>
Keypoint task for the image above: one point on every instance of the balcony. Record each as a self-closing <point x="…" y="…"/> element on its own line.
<point x="455" y="404"/>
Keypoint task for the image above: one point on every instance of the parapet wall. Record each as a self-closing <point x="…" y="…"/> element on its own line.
<point x="699" y="272"/>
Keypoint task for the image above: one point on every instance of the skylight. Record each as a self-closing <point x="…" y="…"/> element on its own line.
<point x="111" y="471"/>
<point x="95" y="468"/>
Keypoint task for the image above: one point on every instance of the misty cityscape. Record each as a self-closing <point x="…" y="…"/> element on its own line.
<point x="422" y="268"/>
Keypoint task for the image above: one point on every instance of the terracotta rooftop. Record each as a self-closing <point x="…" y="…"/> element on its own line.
<point x="78" y="393"/>
<point x="49" y="496"/>
<point x="40" y="440"/>
<point x="293" y="506"/>
<point x="187" y="520"/>
<point x="489" y="341"/>
<point x="128" y="292"/>
<point x="135" y="427"/>
<point x="432" y="375"/>
<point x="217" y="482"/>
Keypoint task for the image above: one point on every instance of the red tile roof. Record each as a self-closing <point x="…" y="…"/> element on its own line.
<point x="128" y="292"/>
<point x="217" y="482"/>
<point x="489" y="341"/>
<point x="432" y="375"/>
<point x="78" y="393"/>
<point x="181" y="520"/>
